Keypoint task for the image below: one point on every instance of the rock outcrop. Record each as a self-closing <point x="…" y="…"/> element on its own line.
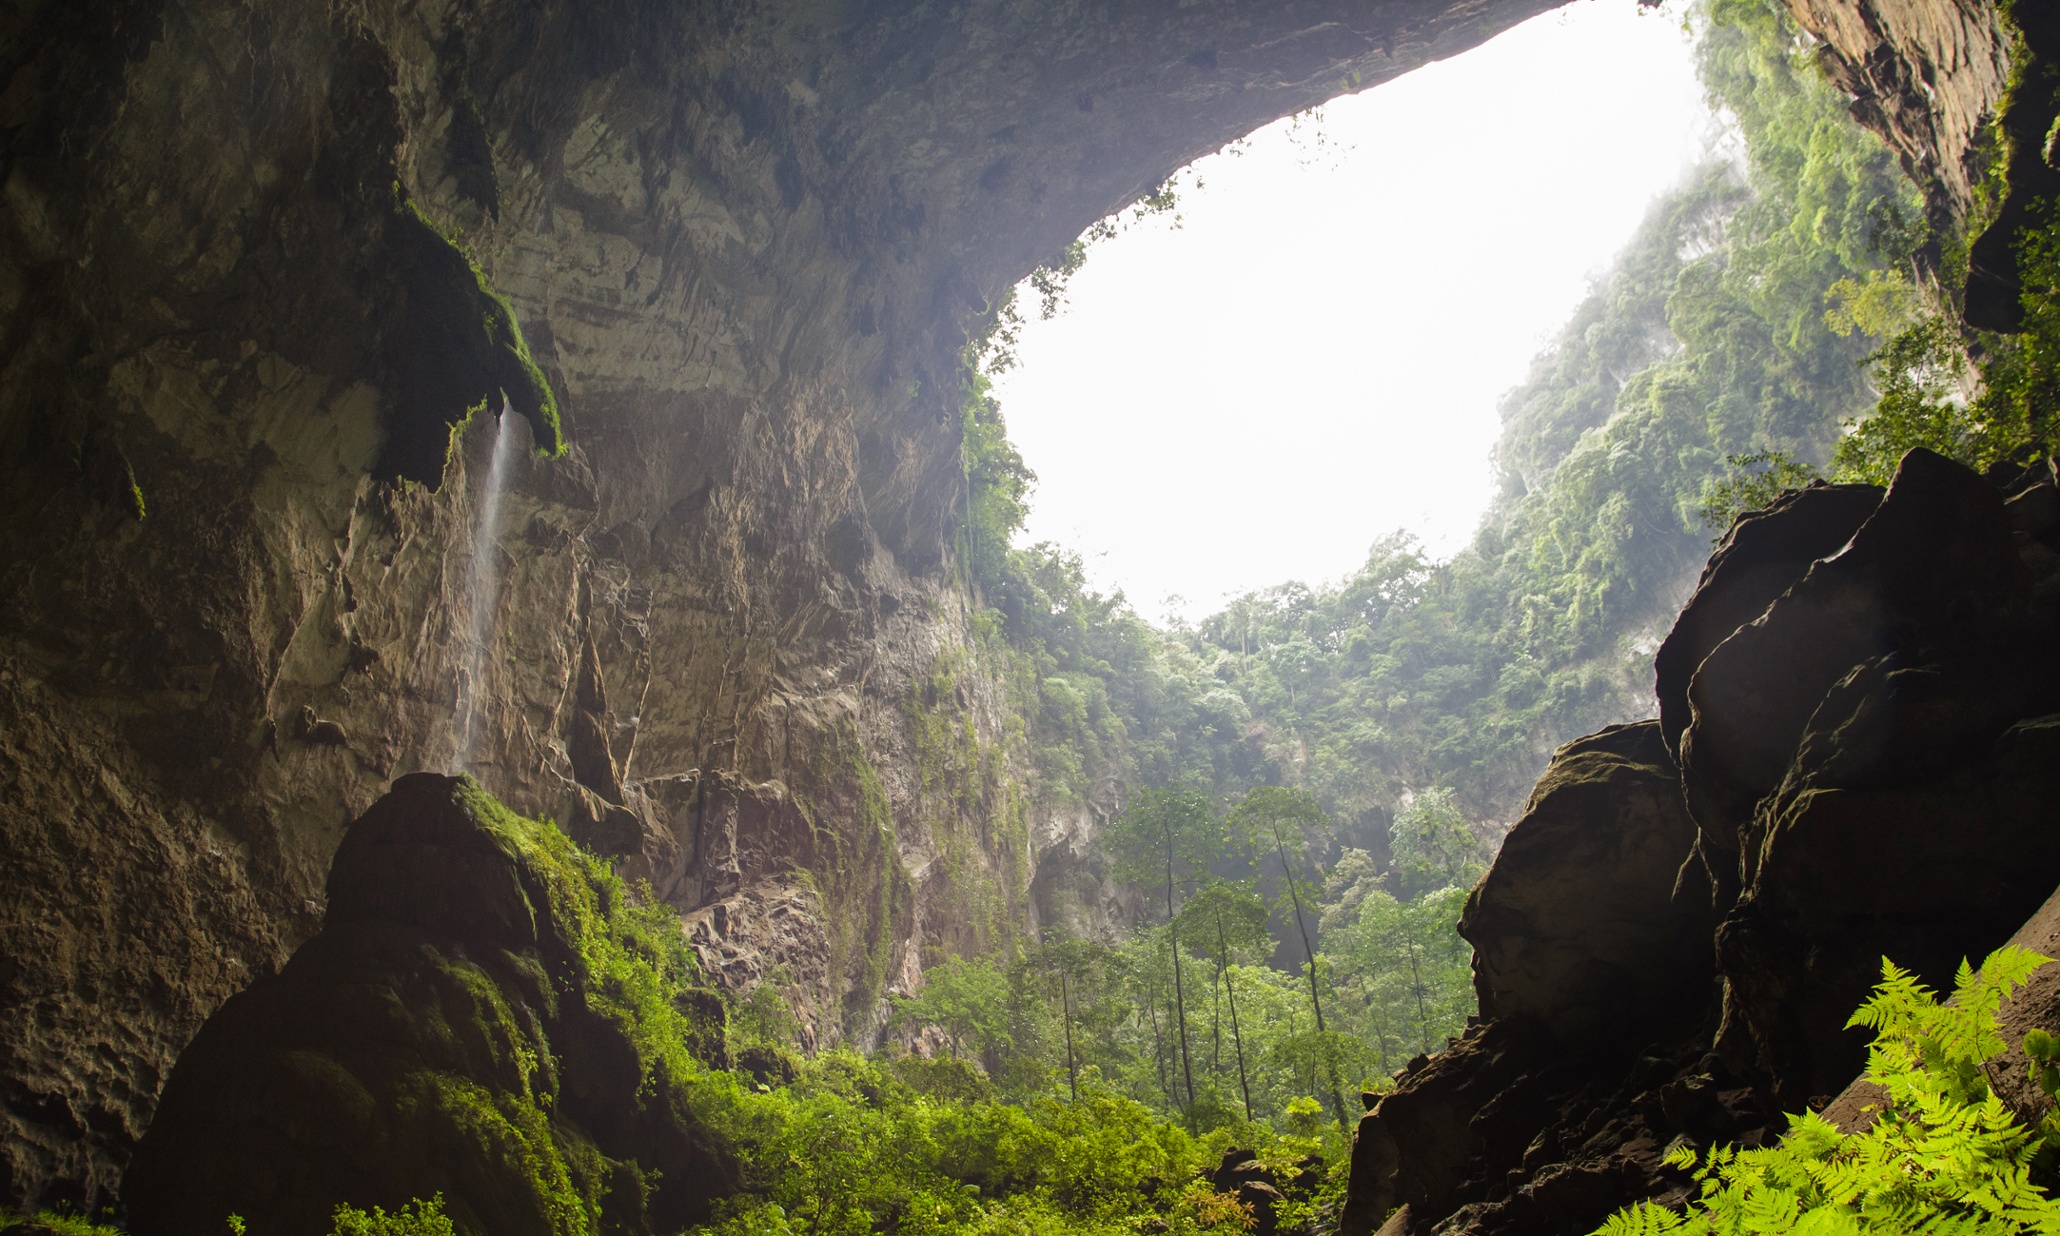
<point x="1871" y="760"/>
<point x="1925" y="76"/>
<point x="257" y="260"/>
<point x="1964" y="92"/>
<point x="1579" y="926"/>
<point x="480" y="1017"/>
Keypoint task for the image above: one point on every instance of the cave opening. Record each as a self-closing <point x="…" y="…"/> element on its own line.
<point x="845" y="854"/>
<point x="1307" y="349"/>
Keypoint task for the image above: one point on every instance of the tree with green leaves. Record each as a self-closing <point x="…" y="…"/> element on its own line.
<point x="1233" y="915"/>
<point x="1431" y="845"/>
<point x="1068" y="964"/>
<point x="966" y="998"/>
<point x="1281" y="821"/>
<point x="1167" y="832"/>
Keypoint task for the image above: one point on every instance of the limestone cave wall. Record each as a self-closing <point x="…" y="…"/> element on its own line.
<point x="719" y="260"/>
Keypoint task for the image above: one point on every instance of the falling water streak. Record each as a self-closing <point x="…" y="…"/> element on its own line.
<point x="483" y="584"/>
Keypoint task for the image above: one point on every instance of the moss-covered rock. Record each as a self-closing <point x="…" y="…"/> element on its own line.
<point x="484" y="1015"/>
<point x="454" y="346"/>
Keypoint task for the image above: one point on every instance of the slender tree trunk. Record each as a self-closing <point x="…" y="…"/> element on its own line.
<point x="1236" y="1037"/>
<point x="1301" y="928"/>
<point x="1066" y="1011"/>
<point x="1216" y="1022"/>
<point x="1423" y="1020"/>
<point x="1158" y="1045"/>
<point x="1337" y="1101"/>
<point x="1179" y="994"/>
<point x="1180" y="1012"/>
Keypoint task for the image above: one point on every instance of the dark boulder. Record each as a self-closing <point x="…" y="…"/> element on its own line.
<point x="1577" y="926"/>
<point x="1426" y="1139"/>
<point x="1760" y="557"/>
<point x="1937" y="552"/>
<point x="1871" y="759"/>
<point x="459" y="1026"/>
<point x="1923" y="874"/>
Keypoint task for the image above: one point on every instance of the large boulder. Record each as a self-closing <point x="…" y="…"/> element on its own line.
<point x="1577" y="924"/>
<point x="1868" y="725"/>
<point x="1924" y="874"/>
<point x="480" y="1017"/>
<point x="1937" y="552"/>
<point x="1760" y="557"/>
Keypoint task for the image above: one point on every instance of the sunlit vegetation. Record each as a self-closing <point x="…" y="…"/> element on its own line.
<point x="1335" y="763"/>
<point x="1943" y="1153"/>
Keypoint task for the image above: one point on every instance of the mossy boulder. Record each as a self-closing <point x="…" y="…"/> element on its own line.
<point x="484" y="1015"/>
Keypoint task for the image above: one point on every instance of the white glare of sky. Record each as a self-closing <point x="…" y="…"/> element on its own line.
<point x="1313" y="359"/>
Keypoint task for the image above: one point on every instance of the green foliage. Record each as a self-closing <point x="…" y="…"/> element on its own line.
<point x="850" y="1148"/>
<point x="763" y="1018"/>
<point x="1919" y="372"/>
<point x="998" y="483"/>
<point x="1432" y="845"/>
<point x="1164" y="836"/>
<point x="1943" y="1155"/>
<point x="968" y="999"/>
<point x="1403" y="969"/>
<point x="1756" y="479"/>
<point x="416" y="1218"/>
<point x="1924" y="373"/>
<point x="61" y="1223"/>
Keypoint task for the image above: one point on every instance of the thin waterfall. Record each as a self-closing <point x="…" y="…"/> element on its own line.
<point x="483" y="585"/>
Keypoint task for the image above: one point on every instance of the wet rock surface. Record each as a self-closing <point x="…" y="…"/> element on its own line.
<point x="1869" y="766"/>
<point x="445" y="1032"/>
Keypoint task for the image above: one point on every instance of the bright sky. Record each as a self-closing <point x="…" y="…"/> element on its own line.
<point x="1313" y="359"/>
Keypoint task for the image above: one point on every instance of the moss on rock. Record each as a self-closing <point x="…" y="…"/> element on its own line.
<point x="453" y="347"/>
<point x="485" y="1015"/>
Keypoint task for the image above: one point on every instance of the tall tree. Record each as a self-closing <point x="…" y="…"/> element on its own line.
<point x="1279" y="820"/>
<point x="1167" y="832"/>
<point x="1068" y="963"/>
<point x="1233" y="915"/>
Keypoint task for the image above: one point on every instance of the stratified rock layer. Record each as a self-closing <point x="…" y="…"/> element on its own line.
<point x="473" y="1020"/>
<point x="1871" y="756"/>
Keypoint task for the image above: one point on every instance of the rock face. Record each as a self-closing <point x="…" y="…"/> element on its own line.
<point x="1937" y="81"/>
<point x="257" y="260"/>
<point x="1871" y="761"/>
<point x="473" y="1019"/>
<point x="1578" y="925"/>
<point x="1925" y="76"/>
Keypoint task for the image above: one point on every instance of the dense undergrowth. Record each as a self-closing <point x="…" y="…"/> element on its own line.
<point x="857" y="1145"/>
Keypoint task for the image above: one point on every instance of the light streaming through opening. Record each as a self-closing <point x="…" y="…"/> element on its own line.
<point x="1314" y="357"/>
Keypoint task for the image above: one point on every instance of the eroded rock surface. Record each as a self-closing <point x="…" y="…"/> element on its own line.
<point x="1872" y="762"/>
<point x="1578" y="926"/>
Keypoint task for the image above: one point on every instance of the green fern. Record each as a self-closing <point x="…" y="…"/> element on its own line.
<point x="1944" y="1157"/>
